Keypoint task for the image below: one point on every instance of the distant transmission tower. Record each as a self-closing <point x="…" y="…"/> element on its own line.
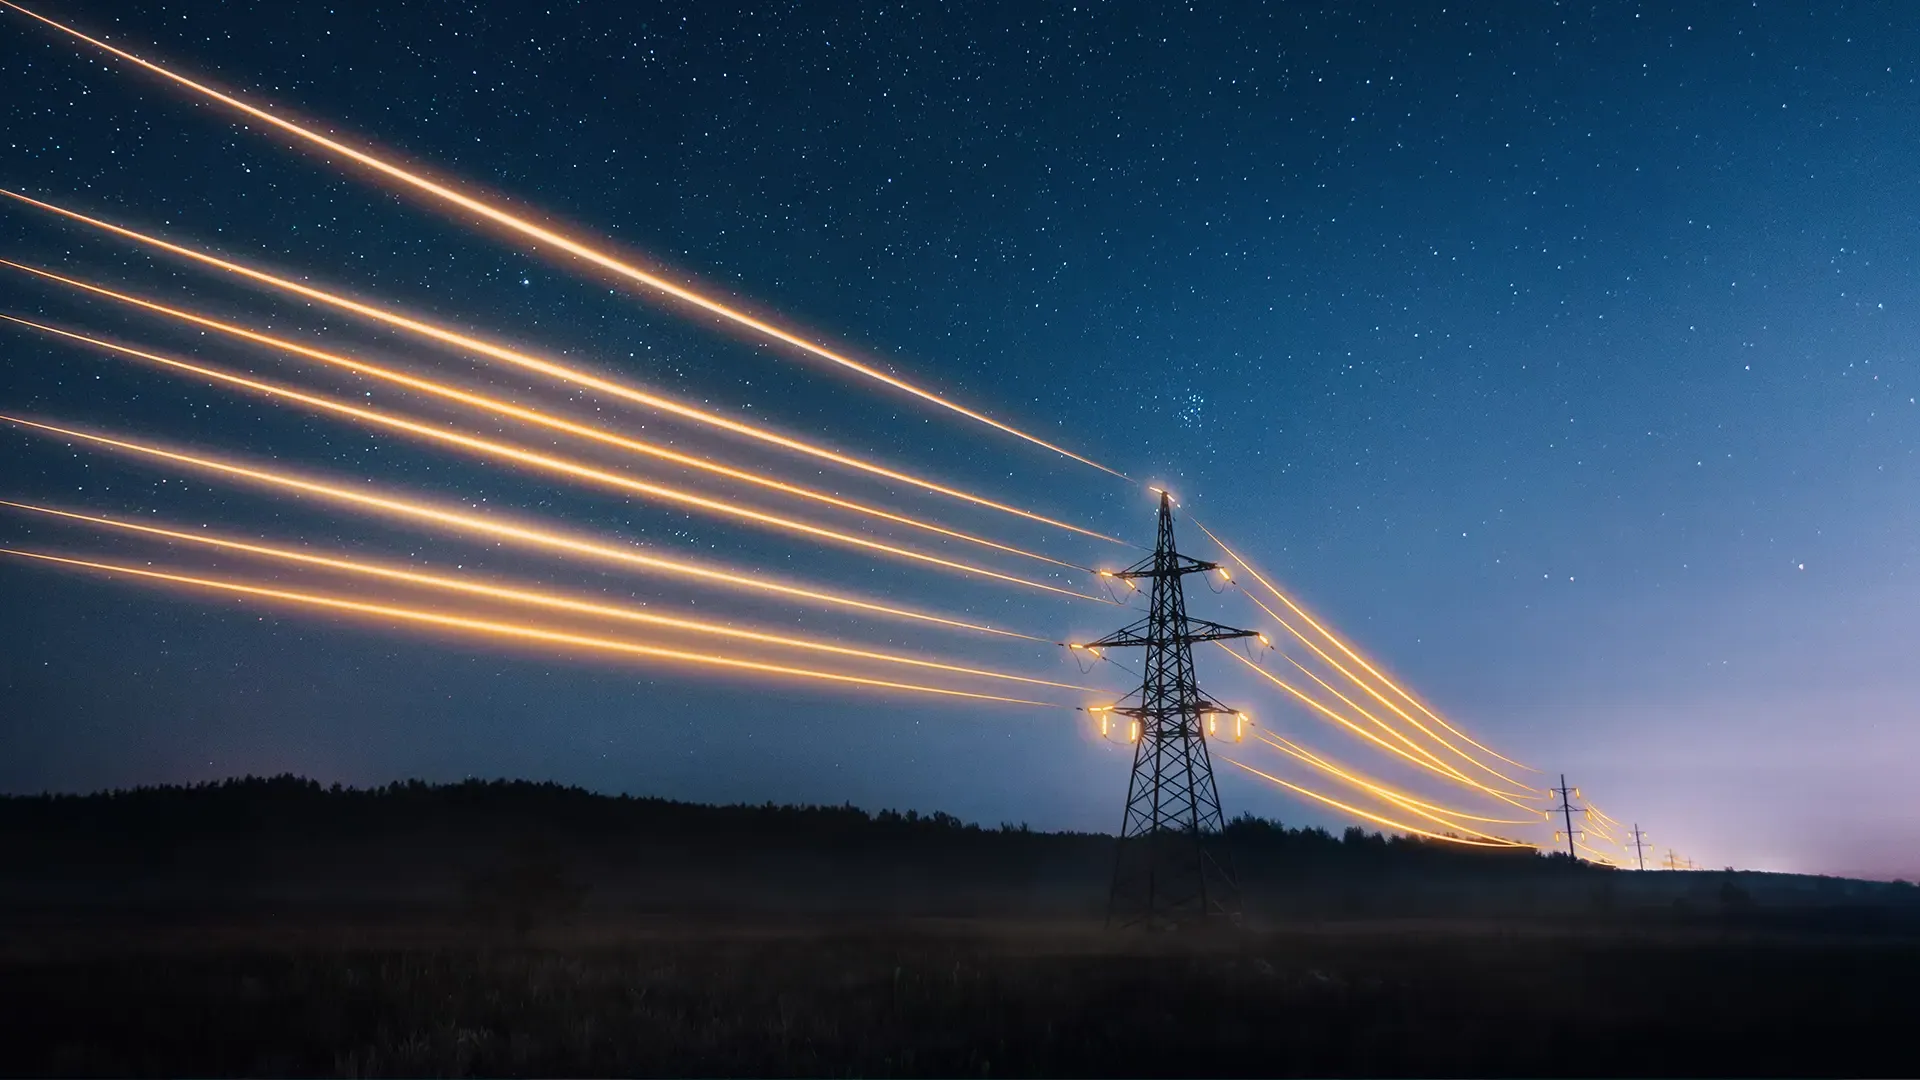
<point x="1566" y="809"/>
<point x="1639" y="845"/>
<point x="1172" y="865"/>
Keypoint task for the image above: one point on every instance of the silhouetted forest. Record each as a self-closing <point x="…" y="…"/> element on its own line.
<point x="530" y="851"/>
<point x="252" y="811"/>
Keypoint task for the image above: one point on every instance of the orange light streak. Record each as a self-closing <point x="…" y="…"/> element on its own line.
<point x="1364" y="815"/>
<point x="525" y="415"/>
<point x="1377" y="696"/>
<point x="535" y="598"/>
<point x="517" y="631"/>
<point x="1434" y="766"/>
<point x="1600" y="830"/>
<point x="521" y="534"/>
<point x="563" y="466"/>
<point x="1343" y="647"/>
<point x="1327" y="765"/>
<point x="1382" y="725"/>
<point x="1504" y="796"/>
<point x="551" y="369"/>
<point x="1382" y="793"/>
<point x="1597" y="857"/>
<point x="1336" y="717"/>
<point x="548" y="237"/>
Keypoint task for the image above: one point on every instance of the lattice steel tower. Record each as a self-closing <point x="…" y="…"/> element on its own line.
<point x="1172" y="866"/>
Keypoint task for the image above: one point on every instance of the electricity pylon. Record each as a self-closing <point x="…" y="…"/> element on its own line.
<point x="1567" y="808"/>
<point x="1172" y="865"/>
<point x="1639" y="845"/>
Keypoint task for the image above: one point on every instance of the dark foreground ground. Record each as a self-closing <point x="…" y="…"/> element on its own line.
<point x="272" y="927"/>
<point x="946" y="998"/>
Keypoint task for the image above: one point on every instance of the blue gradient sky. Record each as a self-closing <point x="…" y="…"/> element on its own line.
<point x="1563" y="356"/>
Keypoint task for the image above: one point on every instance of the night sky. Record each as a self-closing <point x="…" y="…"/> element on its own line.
<point x="1563" y="355"/>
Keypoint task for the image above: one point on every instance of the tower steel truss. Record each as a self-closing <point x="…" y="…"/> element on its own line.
<point x="1172" y="866"/>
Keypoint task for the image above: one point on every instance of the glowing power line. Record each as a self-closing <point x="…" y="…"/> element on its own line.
<point x="1317" y="706"/>
<point x="563" y="466"/>
<point x="532" y="537"/>
<point x="516" y="412"/>
<point x="569" y="245"/>
<point x="1328" y="766"/>
<point x="1375" y="694"/>
<point x="1597" y="856"/>
<point x="1366" y="816"/>
<point x="1410" y="805"/>
<point x="1383" y="726"/>
<point x="1343" y="647"/>
<point x="531" y="597"/>
<point x="1504" y="796"/>
<point x="515" y="631"/>
<point x="551" y="369"/>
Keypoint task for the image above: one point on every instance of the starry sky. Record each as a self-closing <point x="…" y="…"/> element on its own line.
<point x="1563" y="355"/>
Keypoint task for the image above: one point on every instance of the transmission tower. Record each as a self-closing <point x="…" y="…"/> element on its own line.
<point x="1566" y="809"/>
<point x="1639" y="845"/>
<point x="1172" y="865"/>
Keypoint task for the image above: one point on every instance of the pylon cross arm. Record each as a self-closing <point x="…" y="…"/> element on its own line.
<point x="1197" y="705"/>
<point x="1199" y="630"/>
<point x="1131" y="637"/>
<point x="1213" y="631"/>
<point x="1175" y="565"/>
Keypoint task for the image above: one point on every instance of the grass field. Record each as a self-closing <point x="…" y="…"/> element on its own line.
<point x="656" y="996"/>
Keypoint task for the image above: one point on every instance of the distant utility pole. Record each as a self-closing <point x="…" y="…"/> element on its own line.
<point x="1673" y="861"/>
<point x="1639" y="852"/>
<point x="1171" y="865"/>
<point x="1566" y="809"/>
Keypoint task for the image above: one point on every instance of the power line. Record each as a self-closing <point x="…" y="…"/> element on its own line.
<point x="555" y="241"/>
